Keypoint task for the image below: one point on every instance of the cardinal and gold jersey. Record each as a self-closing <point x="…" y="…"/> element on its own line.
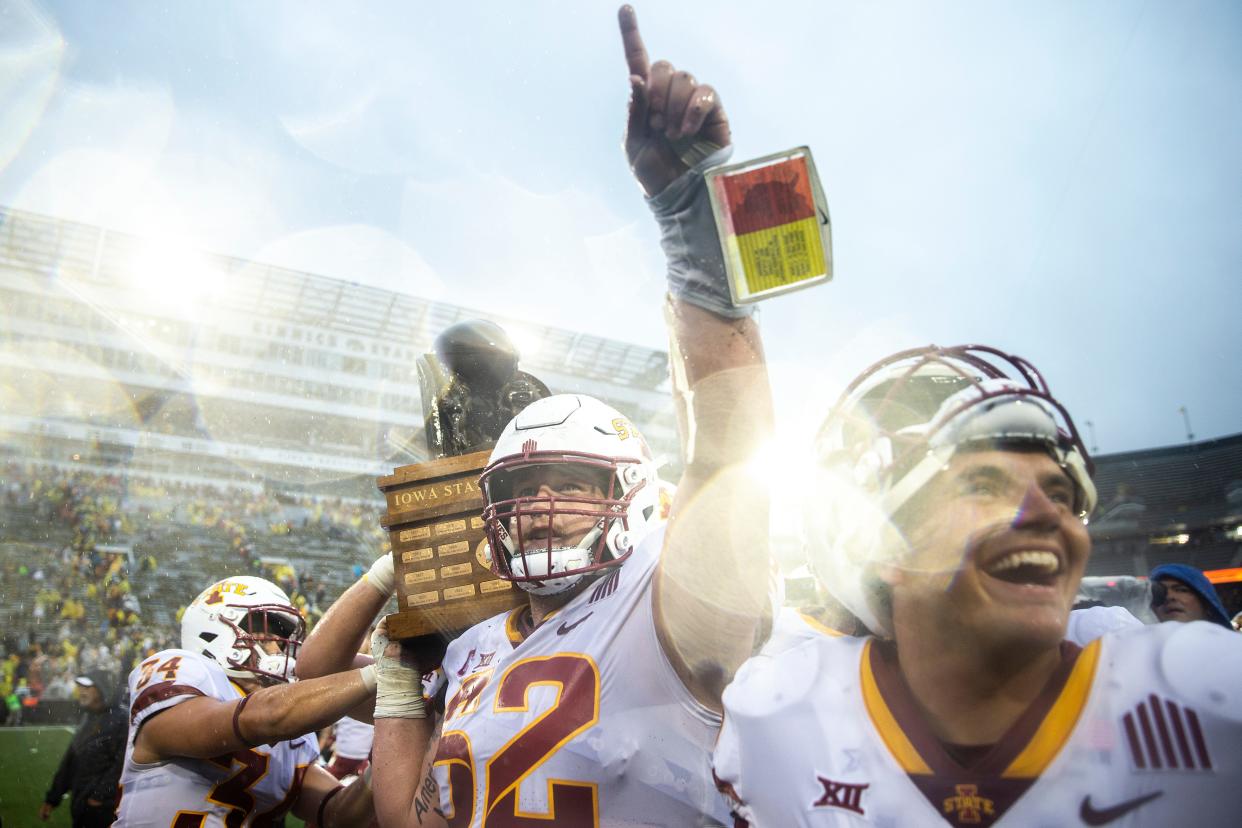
<point x="244" y="789"/>
<point x="793" y="626"/>
<point x="1141" y="727"/>
<point x="579" y="722"/>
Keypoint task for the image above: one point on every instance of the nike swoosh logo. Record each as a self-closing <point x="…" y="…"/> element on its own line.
<point x="1105" y="815"/>
<point x="565" y="629"/>
<point x="823" y="217"/>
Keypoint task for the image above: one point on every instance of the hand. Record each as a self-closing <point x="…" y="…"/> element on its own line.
<point x="399" y="687"/>
<point x="672" y="117"/>
<point x="45" y="812"/>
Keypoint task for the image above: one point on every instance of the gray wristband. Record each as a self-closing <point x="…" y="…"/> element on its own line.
<point x="696" y="267"/>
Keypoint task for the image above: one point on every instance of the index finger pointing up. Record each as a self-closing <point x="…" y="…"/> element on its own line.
<point x="635" y="51"/>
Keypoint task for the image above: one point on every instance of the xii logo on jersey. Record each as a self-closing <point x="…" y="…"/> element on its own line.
<point x="847" y="795"/>
<point x="968" y="807"/>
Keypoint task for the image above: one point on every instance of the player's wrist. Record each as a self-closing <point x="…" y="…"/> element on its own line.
<point x="398" y="686"/>
<point x="369" y="678"/>
<point x="691" y="242"/>
<point x="382" y="576"/>
<point x="399" y="694"/>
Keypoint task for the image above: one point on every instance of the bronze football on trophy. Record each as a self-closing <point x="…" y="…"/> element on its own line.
<point x="472" y="388"/>
<point x="478" y="352"/>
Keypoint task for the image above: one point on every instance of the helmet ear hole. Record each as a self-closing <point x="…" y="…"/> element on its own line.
<point x="207" y="636"/>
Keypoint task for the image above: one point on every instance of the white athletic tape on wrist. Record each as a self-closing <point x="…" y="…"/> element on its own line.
<point x="382" y="576"/>
<point x="399" y="689"/>
<point x="369" y="677"/>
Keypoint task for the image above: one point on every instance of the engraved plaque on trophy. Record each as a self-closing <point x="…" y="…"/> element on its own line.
<point x="434" y="519"/>
<point x="471" y="388"/>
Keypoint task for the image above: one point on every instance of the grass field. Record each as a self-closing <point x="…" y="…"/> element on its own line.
<point x="28" y="760"/>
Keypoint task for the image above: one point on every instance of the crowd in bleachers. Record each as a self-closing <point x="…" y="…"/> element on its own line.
<point x="81" y="555"/>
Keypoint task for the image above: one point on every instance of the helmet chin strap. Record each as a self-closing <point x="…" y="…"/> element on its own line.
<point x="588" y="540"/>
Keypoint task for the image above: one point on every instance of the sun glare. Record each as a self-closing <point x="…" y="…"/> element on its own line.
<point x="173" y="277"/>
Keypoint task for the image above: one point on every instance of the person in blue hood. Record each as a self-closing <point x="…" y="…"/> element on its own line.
<point x="1180" y="592"/>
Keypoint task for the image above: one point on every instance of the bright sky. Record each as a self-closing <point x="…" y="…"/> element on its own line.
<point x="1059" y="179"/>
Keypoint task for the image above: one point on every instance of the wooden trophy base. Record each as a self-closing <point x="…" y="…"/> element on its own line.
<point x="434" y="520"/>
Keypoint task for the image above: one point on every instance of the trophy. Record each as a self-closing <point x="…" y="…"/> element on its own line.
<point x="471" y="389"/>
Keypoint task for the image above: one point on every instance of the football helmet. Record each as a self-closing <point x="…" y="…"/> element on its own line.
<point x="231" y="620"/>
<point x="581" y="434"/>
<point x="894" y="428"/>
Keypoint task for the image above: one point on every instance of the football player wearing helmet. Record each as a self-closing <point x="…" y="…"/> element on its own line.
<point x="952" y="522"/>
<point x="219" y="732"/>
<point x="597" y="701"/>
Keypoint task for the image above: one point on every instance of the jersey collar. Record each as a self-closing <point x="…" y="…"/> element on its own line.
<point x="1023" y="752"/>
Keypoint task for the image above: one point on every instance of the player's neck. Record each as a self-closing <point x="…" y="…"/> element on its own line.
<point x="541" y="606"/>
<point x="971" y="695"/>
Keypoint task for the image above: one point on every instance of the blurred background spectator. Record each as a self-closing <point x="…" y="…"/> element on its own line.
<point x="1179" y="592"/>
<point x="91" y="766"/>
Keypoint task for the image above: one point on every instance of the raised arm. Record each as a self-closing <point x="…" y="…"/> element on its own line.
<point x="333" y="644"/>
<point x="711" y="587"/>
<point x="405" y="742"/>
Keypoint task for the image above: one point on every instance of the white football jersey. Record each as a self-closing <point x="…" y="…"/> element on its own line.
<point x="581" y="721"/>
<point x="353" y="739"/>
<point x="244" y="789"/>
<point x="1142" y="727"/>
<point x="793" y="626"/>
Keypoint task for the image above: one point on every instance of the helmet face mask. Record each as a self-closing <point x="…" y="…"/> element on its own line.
<point x="602" y="485"/>
<point x="895" y="428"/>
<point x="234" y="621"/>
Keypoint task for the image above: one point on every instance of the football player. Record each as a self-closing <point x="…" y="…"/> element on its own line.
<point x="220" y="736"/>
<point x="596" y="702"/>
<point x="954" y="494"/>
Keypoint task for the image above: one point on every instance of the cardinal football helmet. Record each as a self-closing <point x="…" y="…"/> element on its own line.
<point x="894" y="428"/>
<point x="588" y="436"/>
<point x="231" y="621"/>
